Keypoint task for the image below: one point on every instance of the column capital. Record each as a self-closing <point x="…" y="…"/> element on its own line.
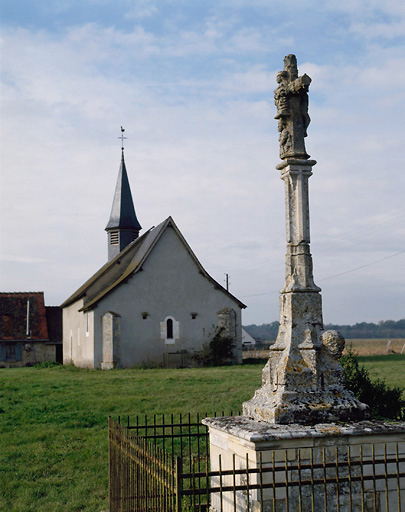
<point x="295" y="162"/>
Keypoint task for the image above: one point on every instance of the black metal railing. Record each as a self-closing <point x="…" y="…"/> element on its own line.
<point x="163" y="464"/>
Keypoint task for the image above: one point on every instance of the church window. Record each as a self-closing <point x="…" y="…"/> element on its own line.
<point x="114" y="237"/>
<point x="169" y="328"/>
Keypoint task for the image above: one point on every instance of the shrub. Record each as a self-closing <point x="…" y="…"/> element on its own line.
<point x="384" y="402"/>
<point x="218" y="352"/>
<point x="47" y="364"/>
<point x="147" y="365"/>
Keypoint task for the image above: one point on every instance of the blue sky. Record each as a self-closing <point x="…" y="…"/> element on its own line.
<point x="192" y="83"/>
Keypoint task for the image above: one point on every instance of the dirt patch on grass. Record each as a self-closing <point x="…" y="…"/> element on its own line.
<point x="377" y="347"/>
<point x="366" y="347"/>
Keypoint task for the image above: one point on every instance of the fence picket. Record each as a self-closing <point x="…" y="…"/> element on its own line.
<point x="144" y="477"/>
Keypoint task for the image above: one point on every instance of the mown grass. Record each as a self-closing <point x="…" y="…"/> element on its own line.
<point x="53" y="423"/>
<point x="53" y="453"/>
<point x="390" y="367"/>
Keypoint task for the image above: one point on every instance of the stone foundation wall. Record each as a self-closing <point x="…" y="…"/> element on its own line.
<point x="31" y="354"/>
<point x="293" y="454"/>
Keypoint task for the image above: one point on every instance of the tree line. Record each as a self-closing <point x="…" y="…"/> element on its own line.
<point x="383" y="329"/>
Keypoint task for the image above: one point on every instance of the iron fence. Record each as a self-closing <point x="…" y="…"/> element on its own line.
<point x="164" y="464"/>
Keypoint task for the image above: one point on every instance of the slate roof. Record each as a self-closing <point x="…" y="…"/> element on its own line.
<point x="123" y="212"/>
<point x="127" y="263"/>
<point x="13" y="316"/>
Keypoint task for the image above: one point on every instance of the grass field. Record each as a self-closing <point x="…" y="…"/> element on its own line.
<point x="53" y="422"/>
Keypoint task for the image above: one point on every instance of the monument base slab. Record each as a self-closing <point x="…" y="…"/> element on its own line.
<point x="328" y="466"/>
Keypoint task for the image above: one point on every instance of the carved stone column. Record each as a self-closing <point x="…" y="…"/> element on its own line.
<point x="303" y="381"/>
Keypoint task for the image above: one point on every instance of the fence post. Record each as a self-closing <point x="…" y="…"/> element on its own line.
<point x="110" y="476"/>
<point x="179" y="483"/>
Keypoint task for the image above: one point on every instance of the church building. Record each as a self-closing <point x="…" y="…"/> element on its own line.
<point x="152" y="302"/>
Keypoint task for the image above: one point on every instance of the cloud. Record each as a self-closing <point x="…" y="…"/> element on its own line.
<point x="388" y="30"/>
<point x="367" y="8"/>
<point x="25" y="259"/>
<point x="142" y="9"/>
<point x="372" y="19"/>
<point x="196" y="100"/>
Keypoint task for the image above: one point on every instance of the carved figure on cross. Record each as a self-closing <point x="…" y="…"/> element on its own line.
<point x="291" y="100"/>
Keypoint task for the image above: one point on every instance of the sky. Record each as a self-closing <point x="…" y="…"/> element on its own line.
<point x="192" y="83"/>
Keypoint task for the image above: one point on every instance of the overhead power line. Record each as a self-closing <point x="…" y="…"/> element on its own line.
<point x="336" y="275"/>
<point x="362" y="266"/>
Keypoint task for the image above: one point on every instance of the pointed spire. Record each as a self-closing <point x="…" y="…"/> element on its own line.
<point x="123" y="226"/>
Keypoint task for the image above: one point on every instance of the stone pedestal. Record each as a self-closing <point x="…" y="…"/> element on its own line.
<point x="345" y="467"/>
<point x="302" y="381"/>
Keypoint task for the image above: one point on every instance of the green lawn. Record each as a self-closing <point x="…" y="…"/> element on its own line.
<point x="390" y="367"/>
<point x="53" y="423"/>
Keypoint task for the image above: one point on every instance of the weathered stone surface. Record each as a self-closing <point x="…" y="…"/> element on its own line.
<point x="263" y="432"/>
<point x="32" y="353"/>
<point x="303" y="381"/>
<point x="291" y="99"/>
<point x="238" y="441"/>
<point x="334" y="343"/>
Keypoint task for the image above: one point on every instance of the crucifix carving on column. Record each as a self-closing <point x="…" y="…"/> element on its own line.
<point x="291" y="99"/>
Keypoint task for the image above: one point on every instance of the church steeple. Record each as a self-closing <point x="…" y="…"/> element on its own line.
<point x="123" y="226"/>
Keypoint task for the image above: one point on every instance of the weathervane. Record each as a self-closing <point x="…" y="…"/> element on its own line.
<point x="122" y="138"/>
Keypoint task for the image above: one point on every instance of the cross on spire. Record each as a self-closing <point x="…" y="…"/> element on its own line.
<point x="122" y="138"/>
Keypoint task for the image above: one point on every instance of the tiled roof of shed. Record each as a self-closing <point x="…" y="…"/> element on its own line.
<point x="13" y="316"/>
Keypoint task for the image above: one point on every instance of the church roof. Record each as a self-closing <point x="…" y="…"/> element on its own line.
<point x="123" y="212"/>
<point x="127" y="263"/>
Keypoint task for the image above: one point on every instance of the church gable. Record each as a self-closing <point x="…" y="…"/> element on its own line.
<point x="174" y="269"/>
<point x="137" y="255"/>
<point x="168" y="306"/>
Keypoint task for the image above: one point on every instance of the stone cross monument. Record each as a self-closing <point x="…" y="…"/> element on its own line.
<point x="303" y="381"/>
<point x="302" y="419"/>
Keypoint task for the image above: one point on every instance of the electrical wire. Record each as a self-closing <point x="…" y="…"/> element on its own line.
<point x="331" y="277"/>
<point x="362" y="266"/>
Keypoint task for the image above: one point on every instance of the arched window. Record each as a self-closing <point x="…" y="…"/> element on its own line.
<point x="169" y="329"/>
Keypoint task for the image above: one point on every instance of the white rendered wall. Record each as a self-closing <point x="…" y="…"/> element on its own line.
<point x="78" y="336"/>
<point x="169" y="285"/>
